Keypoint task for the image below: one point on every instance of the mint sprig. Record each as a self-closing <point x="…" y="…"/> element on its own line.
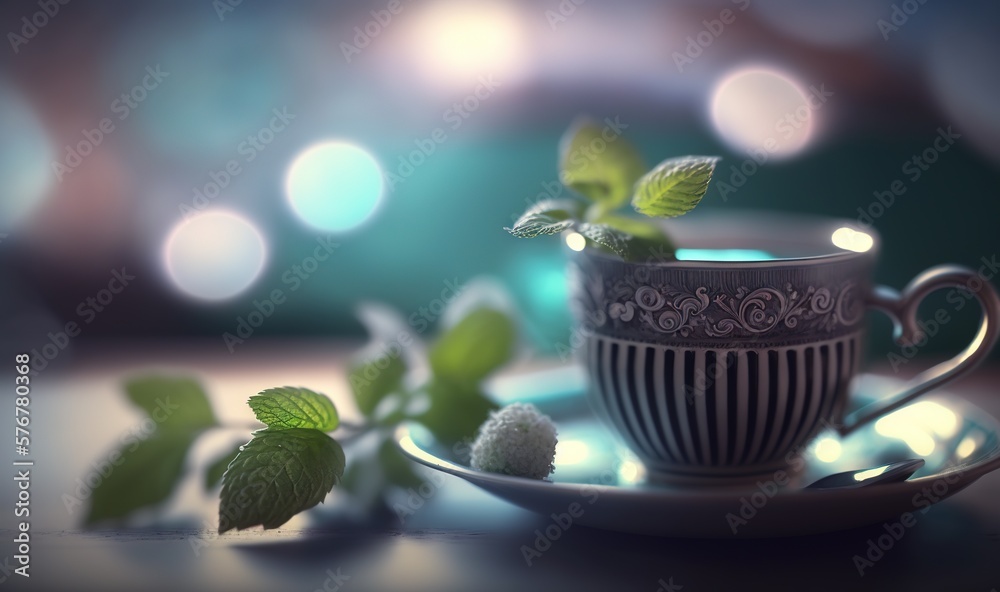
<point x="293" y="463"/>
<point x="603" y="167"/>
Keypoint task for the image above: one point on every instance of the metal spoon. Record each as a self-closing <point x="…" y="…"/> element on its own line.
<point x="890" y="473"/>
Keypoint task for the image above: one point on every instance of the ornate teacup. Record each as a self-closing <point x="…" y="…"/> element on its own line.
<point x="713" y="369"/>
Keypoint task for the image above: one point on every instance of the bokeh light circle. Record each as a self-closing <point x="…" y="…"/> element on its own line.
<point x="334" y="186"/>
<point x="852" y="240"/>
<point x="763" y="111"/>
<point x="576" y="241"/>
<point x="455" y="42"/>
<point x="214" y="255"/>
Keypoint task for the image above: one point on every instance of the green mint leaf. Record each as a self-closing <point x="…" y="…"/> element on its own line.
<point x="550" y="216"/>
<point x="616" y="241"/>
<point x="599" y="163"/>
<point x="143" y="473"/>
<point x="456" y="411"/>
<point x="372" y="378"/>
<point x="215" y="471"/>
<point x="173" y="403"/>
<point x="674" y="187"/>
<point x="290" y="407"/>
<point x="278" y="474"/>
<point x="476" y="346"/>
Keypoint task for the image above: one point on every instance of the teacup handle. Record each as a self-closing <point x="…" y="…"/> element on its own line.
<point x="902" y="309"/>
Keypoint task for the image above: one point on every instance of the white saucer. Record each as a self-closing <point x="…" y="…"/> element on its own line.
<point x="601" y="484"/>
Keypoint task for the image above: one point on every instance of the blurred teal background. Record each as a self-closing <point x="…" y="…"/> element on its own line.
<point x="658" y="67"/>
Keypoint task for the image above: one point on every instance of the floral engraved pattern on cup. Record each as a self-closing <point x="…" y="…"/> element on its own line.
<point x="713" y="312"/>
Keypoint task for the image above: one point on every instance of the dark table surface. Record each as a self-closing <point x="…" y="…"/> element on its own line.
<point x="461" y="539"/>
